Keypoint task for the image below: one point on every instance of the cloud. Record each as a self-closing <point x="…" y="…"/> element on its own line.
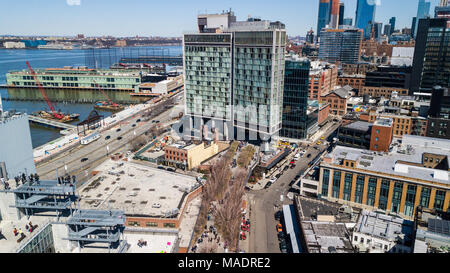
<point x="73" y="2"/>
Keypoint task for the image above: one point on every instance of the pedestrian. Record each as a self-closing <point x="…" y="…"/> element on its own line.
<point x="15" y="231"/>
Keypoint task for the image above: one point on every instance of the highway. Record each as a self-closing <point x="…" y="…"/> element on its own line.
<point x="264" y="203"/>
<point x="96" y="152"/>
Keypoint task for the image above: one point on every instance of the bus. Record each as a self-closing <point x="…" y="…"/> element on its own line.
<point x="90" y="138"/>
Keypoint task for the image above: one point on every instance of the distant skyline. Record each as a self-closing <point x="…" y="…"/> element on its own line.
<point x="129" y="18"/>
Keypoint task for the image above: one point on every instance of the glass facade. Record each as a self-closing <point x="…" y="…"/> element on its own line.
<point x="336" y="184"/>
<point x="384" y="193"/>
<point x="325" y="182"/>
<point x="340" y="46"/>
<point x="348" y="186"/>
<point x="397" y="197"/>
<point x="365" y="13"/>
<point x="439" y="200"/>
<point x="324" y="14"/>
<point x="425" y="197"/>
<point x="41" y="243"/>
<point x="410" y="199"/>
<point x="371" y="192"/>
<point x="359" y="191"/>
<point x="236" y="76"/>
<point x="295" y="99"/>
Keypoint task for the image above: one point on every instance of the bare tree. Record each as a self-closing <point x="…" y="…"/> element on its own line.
<point x="208" y="247"/>
<point x="228" y="214"/>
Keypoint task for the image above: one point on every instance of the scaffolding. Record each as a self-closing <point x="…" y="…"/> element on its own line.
<point x="98" y="226"/>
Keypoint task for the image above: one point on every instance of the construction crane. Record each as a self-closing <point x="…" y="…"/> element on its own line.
<point x="56" y="115"/>
<point x="109" y="100"/>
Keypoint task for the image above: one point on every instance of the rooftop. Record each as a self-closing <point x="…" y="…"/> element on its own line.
<point x="359" y="126"/>
<point x="385" y="227"/>
<point x="411" y="151"/>
<point x="136" y="189"/>
<point x="326" y="237"/>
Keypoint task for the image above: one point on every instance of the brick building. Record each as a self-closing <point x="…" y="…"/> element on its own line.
<point x="355" y="81"/>
<point x="322" y="79"/>
<point x="338" y="101"/>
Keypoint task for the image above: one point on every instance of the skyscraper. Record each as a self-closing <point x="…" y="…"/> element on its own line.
<point x="431" y="65"/>
<point x="334" y="15"/>
<point x="392" y="23"/>
<point x="341" y="13"/>
<point x="365" y="13"/>
<point x="423" y="11"/>
<point x="348" y="21"/>
<point x="324" y="15"/>
<point x="340" y="45"/>
<point x="413" y="25"/>
<point x="387" y="30"/>
<point x="235" y="78"/>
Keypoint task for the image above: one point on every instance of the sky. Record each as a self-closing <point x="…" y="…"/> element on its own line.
<point x="171" y="18"/>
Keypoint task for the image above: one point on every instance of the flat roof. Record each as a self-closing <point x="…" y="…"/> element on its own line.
<point x="326" y="237"/>
<point x="136" y="189"/>
<point x="359" y="125"/>
<point x="388" y="162"/>
<point x="384" y="226"/>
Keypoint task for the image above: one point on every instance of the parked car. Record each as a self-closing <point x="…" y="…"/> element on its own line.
<point x="118" y="130"/>
<point x="268" y="185"/>
<point x="138" y="120"/>
<point x="273" y="180"/>
<point x="134" y="125"/>
<point x="279" y="228"/>
<point x="161" y="168"/>
<point x="292" y="162"/>
<point x="278" y="175"/>
<point x="170" y="169"/>
<point x="286" y="168"/>
<point x="293" y="166"/>
<point x="281" y="236"/>
<point x="84" y="159"/>
<point x="107" y="137"/>
<point x="119" y="138"/>
<point x="283" y="247"/>
<point x="308" y="156"/>
<point x="278" y="215"/>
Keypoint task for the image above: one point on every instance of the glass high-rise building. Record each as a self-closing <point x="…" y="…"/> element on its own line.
<point x="365" y="13"/>
<point x="295" y="98"/>
<point x="431" y="64"/>
<point x="324" y="15"/>
<point x="392" y="23"/>
<point x="423" y="11"/>
<point x="341" y="13"/>
<point x="237" y="77"/>
<point x="340" y="45"/>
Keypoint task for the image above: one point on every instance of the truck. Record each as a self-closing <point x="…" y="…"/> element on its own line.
<point x="90" y="138"/>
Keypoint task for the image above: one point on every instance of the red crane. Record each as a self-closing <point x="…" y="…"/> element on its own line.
<point x="55" y="114"/>
<point x="113" y="104"/>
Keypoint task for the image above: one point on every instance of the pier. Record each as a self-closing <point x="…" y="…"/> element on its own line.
<point x="50" y="123"/>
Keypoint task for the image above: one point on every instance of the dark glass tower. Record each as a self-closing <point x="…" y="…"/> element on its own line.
<point x="324" y="14"/>
<point x="295" y="98"/>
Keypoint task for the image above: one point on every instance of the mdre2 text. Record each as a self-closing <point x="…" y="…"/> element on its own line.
<point x="246" y="262"/>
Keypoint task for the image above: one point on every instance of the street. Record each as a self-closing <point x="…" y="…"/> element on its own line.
<point x="264" y="203"/>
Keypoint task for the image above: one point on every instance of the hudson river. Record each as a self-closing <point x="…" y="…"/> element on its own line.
<point x="15" y="59"/>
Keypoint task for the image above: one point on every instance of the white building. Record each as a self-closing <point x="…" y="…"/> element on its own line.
<point x="402" y="56"/>
<point x="11" y="45"/>
<point x="380" y="233"/>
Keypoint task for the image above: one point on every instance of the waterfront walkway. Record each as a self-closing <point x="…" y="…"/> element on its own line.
<point x="50" y="123"/>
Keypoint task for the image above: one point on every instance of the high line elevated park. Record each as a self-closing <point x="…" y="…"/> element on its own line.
<point x="81" y="159"/>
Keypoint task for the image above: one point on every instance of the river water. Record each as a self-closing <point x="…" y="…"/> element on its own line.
<point x="15" y="59"/>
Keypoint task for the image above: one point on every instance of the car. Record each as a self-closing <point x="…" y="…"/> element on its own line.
<point x="319" y="142"/>
<point x="156" y="206"/>
<point x="161" y="168"/>
<point x="273" y="180"/>
<point x="279" y="228"/>
<point x="84" y="159"/>
<point x="308" y="156"/>
<point x="283" y="247"/>
<point x="278" y="215"/>
<point x="138" y="120"/>
<point x="293" y="166"/>
<point x="292" y="182"/>
<point x="297" y="177"/>
<point x="118" y="130"/>
<point x="153" y="121"/>
<point x="281" y="236"/>
<point x="292" y="162"/>
<point x="107" y="137"/>
<point x="285" y="168"/>
<point x="119" y="138"/>
<point x="278" y="175"/>
<point x="157" y="121"/>
<point x="171" y="170"/>
<point x="268" y="185"/>
<point x="134" y="125"/>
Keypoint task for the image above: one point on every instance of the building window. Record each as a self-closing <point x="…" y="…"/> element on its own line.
<point x="439" y="200"/>
<point x="134" y="224"/>
<point x="336" y="184"/>
<point x="169" y="225"/>
<point x="359" y="191"/>
<point x="397" y="197"/>
<point x="410" y="198"/>
<point x="371" y="192"/>
<point x="384" y="193"/>
<point x="325" y="182"/>
<point x="425" y="197"/>
<point x="151" y="224"/>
